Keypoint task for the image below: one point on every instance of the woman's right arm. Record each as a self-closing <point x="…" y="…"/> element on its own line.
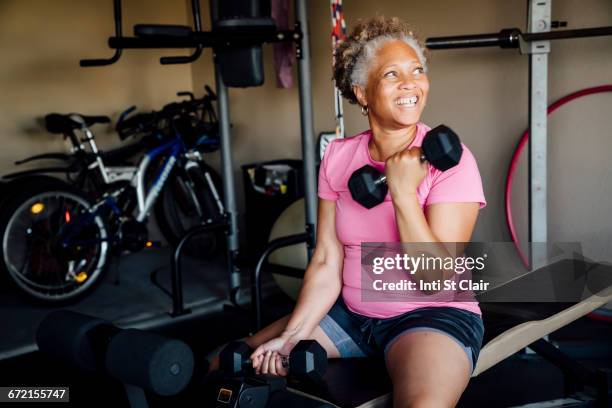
<point x="322" y="280"/>
<point x="320" y="288"/>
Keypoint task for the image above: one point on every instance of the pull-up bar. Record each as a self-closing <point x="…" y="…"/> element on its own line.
<point x="511" y="38"/>
<point x="242" y="36"/>
<point x="108" y="61"/>
<point x="228" y="33"/>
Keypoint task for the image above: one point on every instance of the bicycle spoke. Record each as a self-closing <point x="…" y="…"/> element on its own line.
<point x="35" y="245"/>
<point x="26" y="262"/>
<point x="60" y="212"/>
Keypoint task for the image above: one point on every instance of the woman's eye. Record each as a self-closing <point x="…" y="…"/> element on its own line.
<point x="391" y="74"/>
<point x="419" y="70"/>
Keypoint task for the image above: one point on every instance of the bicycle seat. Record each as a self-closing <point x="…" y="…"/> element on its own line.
<point x="59" y="123"/>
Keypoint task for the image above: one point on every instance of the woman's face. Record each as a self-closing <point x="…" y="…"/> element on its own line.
<point x="397" y="86"/>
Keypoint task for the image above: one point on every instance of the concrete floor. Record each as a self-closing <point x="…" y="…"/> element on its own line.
<point x="126" y="297"/>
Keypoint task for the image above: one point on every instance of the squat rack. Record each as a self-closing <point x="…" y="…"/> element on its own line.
<point x="174" y="36"/>
<point x="535" y="43"/>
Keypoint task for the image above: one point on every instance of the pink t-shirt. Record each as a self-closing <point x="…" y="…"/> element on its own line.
<point x="356" y="224"/>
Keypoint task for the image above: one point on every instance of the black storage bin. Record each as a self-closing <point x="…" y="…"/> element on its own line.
<point x="269" y="188"/>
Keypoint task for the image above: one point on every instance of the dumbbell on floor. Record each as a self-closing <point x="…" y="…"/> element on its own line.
<point x="441" y="148"/>
<point x="308" y="360"/>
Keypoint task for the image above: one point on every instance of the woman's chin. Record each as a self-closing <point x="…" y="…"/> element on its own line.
<point x="407" y="120"/>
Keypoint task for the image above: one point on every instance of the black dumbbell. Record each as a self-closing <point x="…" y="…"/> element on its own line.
<point x="441" y="148"/>
<point x="308" y="360"/>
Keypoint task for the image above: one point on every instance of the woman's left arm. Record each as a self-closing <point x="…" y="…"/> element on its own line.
<point x="444" y="220"/>
<point x="441" y="222"/>
<point x="441" y="231"/>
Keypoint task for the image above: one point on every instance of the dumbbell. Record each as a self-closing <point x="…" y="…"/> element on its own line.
<point x="308" y="360"/>
<point x="441" y="148"/>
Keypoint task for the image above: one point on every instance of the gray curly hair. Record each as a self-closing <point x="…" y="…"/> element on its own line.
<point x="353" y="55"/>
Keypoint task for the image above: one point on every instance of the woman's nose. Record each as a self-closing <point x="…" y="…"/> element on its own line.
<point x="408" y="82"/>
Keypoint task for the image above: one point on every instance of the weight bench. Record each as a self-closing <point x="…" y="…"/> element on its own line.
<point x="509" y="328"/>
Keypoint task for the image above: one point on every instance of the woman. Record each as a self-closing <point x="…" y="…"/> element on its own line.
<point x="430" y="348"/>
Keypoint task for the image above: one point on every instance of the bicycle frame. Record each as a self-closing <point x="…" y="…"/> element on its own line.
<point x="176" y="147"/>
<point x="136" y="176"/>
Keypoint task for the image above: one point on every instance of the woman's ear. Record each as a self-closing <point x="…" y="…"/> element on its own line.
<point x="361" y="95"/>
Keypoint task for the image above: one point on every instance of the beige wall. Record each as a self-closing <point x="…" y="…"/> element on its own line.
<point x="41" y="44"/>
<point x="481" y="93"/>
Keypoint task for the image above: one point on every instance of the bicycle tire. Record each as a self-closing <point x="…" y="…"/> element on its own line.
<point x="9" y="188"/>
<point x="170" y="212"/>
<point x="17" y="213"/>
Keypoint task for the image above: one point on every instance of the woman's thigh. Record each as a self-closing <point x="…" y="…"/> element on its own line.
<point x="338" y="333"/>
<point x="427" y="368"/>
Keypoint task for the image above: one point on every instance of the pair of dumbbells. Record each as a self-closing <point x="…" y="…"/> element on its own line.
<point x="240" y="387"/>
<point x="441" y="148"/>
<point x="307" y="360"/>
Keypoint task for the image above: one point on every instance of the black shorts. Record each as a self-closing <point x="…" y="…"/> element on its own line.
<point x="355" y="335"/>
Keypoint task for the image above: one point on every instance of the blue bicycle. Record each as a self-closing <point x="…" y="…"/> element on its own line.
<point x="57" y="237"/>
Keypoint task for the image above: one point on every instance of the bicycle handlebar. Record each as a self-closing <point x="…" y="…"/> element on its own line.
<point x="125" y="113"/>
<point x="156" y="120"/>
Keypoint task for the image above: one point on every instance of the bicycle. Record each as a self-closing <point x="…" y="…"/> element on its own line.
<point x="56" y="238"/>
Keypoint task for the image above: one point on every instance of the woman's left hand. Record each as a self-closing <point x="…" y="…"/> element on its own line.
<point x="405" y="171"/>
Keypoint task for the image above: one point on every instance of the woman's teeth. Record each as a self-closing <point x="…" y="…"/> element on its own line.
<point x="407" y="101"/>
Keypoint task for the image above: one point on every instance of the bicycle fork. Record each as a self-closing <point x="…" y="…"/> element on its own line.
<point x="211" y="188"/>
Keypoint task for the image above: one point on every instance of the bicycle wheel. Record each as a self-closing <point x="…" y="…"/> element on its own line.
<point x="53" y="249"/>
<point x="187" y="201"/>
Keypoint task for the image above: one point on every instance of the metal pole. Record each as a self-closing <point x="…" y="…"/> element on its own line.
<point x="307" y="126"/>
<point x="256" y="274"/>
<point x="538" y="21"/>
<point x="227" y="172"/>
<point x="178" y="307"/>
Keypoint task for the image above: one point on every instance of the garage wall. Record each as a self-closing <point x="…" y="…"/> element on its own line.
<point x="482" y="94"/>
<point x="41" y="43"/>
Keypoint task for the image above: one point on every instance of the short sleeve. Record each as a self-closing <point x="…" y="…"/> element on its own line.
<point x="459" y="184"/>
<point x="325" y="189"/>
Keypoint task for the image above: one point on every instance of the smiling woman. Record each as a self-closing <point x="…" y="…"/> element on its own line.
<point x="355" y="55"/>
<point x="382" y="67"/>
<point x="396" y="89"/>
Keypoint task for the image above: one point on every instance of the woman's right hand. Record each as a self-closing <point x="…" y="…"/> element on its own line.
<point x="272" y="357"/>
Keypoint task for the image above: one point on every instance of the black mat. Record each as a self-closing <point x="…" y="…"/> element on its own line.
<point x="126" y="297"/>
